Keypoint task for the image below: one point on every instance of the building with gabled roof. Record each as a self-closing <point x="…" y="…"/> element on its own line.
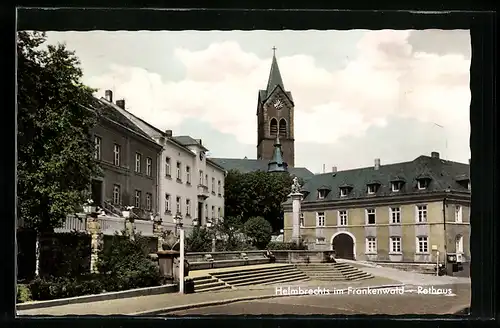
<point x="396" y="212"/>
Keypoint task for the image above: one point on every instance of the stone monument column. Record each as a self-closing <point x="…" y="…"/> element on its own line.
<point x="296" y="197"/>
<point x="96" y="240"/>
<point x="158" y="232"/>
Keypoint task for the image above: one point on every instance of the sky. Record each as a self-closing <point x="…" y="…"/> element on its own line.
<point x="359" y="94"/>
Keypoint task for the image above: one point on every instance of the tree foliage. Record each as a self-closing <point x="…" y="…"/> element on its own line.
<point x="55" y="150"/>
<point x="199" y="240"/>
<point x="259" y="231"/>
<point x="255" y="194"/>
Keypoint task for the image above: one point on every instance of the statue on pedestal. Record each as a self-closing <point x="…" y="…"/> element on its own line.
<point x="295" y="186"/>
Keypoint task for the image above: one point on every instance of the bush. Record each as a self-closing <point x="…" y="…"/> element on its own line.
<point x="199" y="240"/>
<point x="62" y="287"/>
<point x="125" y="264"/>
<point x="23" y="293"/>
<point x="259" y="231"/>
<point x="281" y="246"/>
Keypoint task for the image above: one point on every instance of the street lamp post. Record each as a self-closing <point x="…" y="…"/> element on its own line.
<point x="211" y="227"/>
<point x="178" y="226"/>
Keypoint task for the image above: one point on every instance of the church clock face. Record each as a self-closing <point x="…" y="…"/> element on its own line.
<point x="278" y="103"/>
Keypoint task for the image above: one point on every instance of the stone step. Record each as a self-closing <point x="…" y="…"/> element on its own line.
<point x="225" y="275"/>
<point x="264" y="269"/>
<point x="210" y="289"/>
<point x="269" y="279"/>
<point x="202" y="278"/>
<point x="286" y="280"/>
<point x="261" y="277"/>
<point x="214" y="283"/>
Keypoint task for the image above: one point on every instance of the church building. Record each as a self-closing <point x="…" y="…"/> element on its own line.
<point x="275" y="131"/>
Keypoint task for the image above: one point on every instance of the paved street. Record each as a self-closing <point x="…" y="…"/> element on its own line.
<point x="409" y="303"/>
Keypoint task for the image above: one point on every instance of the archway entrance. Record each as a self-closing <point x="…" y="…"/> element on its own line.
<point x="343" y="245"/>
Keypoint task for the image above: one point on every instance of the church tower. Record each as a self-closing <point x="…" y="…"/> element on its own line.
<point x="275" y="118"/>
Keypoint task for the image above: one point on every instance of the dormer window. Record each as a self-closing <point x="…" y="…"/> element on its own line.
<point x="323" y="191"/>
<point x="422" y="184"/>
<point x="396" y="186"/>
<point x="372" y="189"/>
<point x="344" y="191"/>
<point x="463" y="180"/>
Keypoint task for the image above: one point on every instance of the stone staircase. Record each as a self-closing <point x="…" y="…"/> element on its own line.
<point x="261" y="276"/>
<point x="333" y="272"/>
<point x="208" y="284"/>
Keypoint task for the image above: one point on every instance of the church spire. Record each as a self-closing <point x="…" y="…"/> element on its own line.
<point x="274" y="75"/>
<point x="276" y="164"/>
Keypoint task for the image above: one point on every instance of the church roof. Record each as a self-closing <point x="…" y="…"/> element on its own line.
<point x="274" y="77"/>
<point x="250" y="165"/>
<point x="442" y="174"/>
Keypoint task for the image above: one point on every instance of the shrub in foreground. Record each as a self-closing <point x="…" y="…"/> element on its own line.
<point x="23" y="293"/>
<point x="49" y="288"/>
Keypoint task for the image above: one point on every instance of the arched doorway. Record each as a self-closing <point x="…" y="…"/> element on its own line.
<point x="344" y="245"/>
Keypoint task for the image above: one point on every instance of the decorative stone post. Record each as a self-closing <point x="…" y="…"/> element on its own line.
<point x="296" y="196"/>
<point x="158" y="232"/>
<point x="96" y="239"/>
<point x="129" y="222"/>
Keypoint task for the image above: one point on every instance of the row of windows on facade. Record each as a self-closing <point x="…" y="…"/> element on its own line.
<point x="372" y="188"/>
<point x="371" y="217"/>
<point x="137" y="198"/>
<point x="188" y="205"/>
<point x="203" y="179"/>
<point x="117" y="157"/>
<point x="395" y="245"/>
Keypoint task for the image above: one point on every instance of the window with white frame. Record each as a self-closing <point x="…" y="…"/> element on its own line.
<point x="167" y="167"/>
<point x="320" y="219"/>
<point x="458" y="213"/>
<point x="370" y="216"/>
<point x="149" y="166"/>
<point x="179" y="171"/>
<point x="371" y="189"/>
<point x="178" y="207"/>
<point x="167" y="203"/>
<point x="218" y="188"/>
<point x="98" y="144"/>
<point x="116" y="154"/>
<point x="137" y="199"/>
<point x="301" y="219"/>
<point x="321" y="194"/>
<point x="206" y="212"/>
<point x="116" y="195"/>
<point x="396" y="186"/>
<point x="188" y="174"/>
<point x="421" y="213"/>
<point x="201" y="177"/>
<point x="343" y="192"/>
<point x="149" y="197"/>
<point x="137" y="163"/>
<point x="423" y="245"/>
<point x="219" y="212"/>
<point x="371" y="245"/>
<point x="342" y="218"/>
<point x="213" y="212"/>
<point x="395" y="246"/>
<point x="213" y="185"/>
<point x="188" y="207"/>
<point x="459" y="244"/>
<point x="422" y="184"/>
<point x="206" y="180"/>
<point x="395" y="213"/>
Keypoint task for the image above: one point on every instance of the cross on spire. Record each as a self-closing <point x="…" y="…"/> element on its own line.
<point x="274" y="50"/>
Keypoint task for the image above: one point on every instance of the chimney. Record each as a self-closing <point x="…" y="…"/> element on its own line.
<point x="435" y="154"/>
<point x="334" y="169"/>
<point x="168" y="133"/>
<point x="121" y="103"/>
<point x="108" y="94"/>
<point x="377" y="163"/>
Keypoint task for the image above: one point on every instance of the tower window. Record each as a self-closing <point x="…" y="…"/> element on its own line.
<point x="273" y="126"/>
<point x="282" y="128"/>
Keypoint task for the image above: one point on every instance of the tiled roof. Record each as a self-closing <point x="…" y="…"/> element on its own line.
<point x="188" y="141"/>
<point x="442" y="174"/>
<point x="250" y="165"/>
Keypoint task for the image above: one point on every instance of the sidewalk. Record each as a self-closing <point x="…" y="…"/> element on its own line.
<point x="134" y="305"/>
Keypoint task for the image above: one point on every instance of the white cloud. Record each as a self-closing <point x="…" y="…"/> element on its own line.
<point x="220" y="87"/>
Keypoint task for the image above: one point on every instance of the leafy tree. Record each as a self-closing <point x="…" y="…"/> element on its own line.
<point x="258" y="230"/>
<point x="257" y="193"/>
<point x="55" y="150"/>
<point x="199" y="240"/>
